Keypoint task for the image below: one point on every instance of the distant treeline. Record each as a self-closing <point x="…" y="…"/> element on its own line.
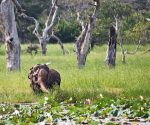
<point x="132" y="14"/>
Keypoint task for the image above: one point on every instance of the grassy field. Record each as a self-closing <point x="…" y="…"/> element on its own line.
<point x="130" y="80"/>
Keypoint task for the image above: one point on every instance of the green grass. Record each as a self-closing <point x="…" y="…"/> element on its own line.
<point x="131" y="79"/>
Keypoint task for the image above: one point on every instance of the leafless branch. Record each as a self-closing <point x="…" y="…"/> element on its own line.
<point x="81" y="23"/>
<point x="21" y="13"/>
<point x="59" y="42"/>
<point x="53" y="14"/>
<point x="35" y="31"/>
<point x="135" y="51"/>
<point x="97" y="6"/>
<point x="18" y="6"/>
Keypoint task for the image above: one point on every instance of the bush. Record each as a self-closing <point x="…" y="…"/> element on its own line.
<point x="68" y="31"/>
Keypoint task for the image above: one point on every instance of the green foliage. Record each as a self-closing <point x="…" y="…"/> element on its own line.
<point x="131" y="14"/>
<point x="68" y="30"/>
<point x="36" y="7"/>
<point x="111" y="8"/>
<point x="141" y="5"/>
<point x="129" y="19"/>
<point x="113" y="112"/>
<point x="138" y="32"/>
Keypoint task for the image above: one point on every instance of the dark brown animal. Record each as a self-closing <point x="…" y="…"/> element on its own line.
<point x="42" y="78"/>
<point x="32" y="48"/>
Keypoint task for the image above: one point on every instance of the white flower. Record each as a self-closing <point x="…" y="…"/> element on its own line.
<point x="46" y="98"/>
<point x="48" y="115"/>
<point x="16" y="112"/>
<point x="141" y="97"/>
<point x="142" y="108"/>
<point x="3" y="109"/>
<point x="41" y="123"/>
<point x="101" y="96"/>
<point x="70" y="99"/>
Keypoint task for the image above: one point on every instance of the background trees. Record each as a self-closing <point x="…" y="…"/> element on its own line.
<point x="130" y="12"/>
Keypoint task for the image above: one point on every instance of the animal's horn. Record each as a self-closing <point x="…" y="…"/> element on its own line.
<point x="43" y="88"/>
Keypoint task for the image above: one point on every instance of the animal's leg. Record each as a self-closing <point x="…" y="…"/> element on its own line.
<point x="35" y="52"/>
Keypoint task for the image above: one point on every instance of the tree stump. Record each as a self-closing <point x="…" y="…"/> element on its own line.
<point x="111" y="51"/>
<point x="42" y="78"/>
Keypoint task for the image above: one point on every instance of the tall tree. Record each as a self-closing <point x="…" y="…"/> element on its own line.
<point x="12" y="42"/>
<point x="83" y="42"/>
<point x="48" y="30"/>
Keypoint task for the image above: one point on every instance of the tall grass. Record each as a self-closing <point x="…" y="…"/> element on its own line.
<point x="131" y="79"/>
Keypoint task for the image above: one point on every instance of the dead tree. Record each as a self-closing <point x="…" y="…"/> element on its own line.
<point x="47" y="32"/>
<point x="111" y="51"/>
<point x="120" y="38"/>
<point x="12" y="42"/>
<point x="42" y="78"/>
<point x="44" y="37"/>
<point x="83" y="43"/>
<point x="2" y="30"/>
<point x="49" y="24"/>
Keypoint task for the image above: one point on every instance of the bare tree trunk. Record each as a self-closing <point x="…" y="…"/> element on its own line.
<point x="49" y="24"/>
<point x="43" y="44"/>
<point x="83" y="43"/>
<point x="85" y="48"/>
<point x="122" y="49"/>
<point x="1" y="28"/>
<point x="12" y="42"/>
<point x="120" y="39"/>
<point x="47" y="32"/>
<point x="111" y="51"/>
